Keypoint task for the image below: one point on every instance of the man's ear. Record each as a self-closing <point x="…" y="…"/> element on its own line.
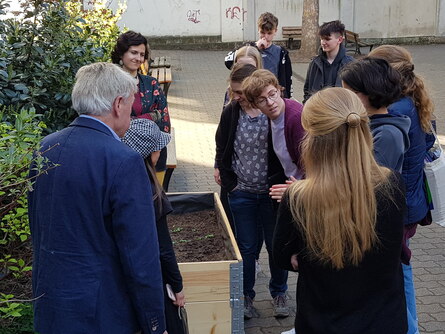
<point x="117" y="105"/>
<point x="340" y="39"/>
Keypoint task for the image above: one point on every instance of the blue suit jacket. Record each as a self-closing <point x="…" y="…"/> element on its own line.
<point x="96" y="257"/>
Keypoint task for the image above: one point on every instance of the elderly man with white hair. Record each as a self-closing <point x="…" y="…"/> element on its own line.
<point x="96" y="257"/>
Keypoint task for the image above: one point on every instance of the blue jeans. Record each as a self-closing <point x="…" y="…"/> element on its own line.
<point x="250" y="210"/>
<point x="410" y="296"/>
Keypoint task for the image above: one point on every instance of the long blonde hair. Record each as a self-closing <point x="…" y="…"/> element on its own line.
<point x="412" y="85"/>
<point x="335" y="205"/>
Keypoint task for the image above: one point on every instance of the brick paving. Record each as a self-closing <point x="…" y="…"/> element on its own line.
<point x="195" y="101"/>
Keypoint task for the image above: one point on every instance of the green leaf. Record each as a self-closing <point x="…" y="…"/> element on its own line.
<point x="21" y="87"/>
<point x="9" y="93"/>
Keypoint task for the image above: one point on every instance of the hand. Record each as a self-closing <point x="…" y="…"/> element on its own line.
<point x="216" y="176"/>
<point x="277" y="190"/>
<point x="262" y="44"/>
<point x="294" y="262"/>
<point x="180" y="299"/>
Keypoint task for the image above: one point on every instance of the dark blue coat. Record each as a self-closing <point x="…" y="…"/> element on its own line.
<point x="96" y="256"/>
<point x="412" y="170"/>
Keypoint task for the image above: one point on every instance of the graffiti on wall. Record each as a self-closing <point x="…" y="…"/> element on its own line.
<point x="192" y="15"/>
<point x="236" y="13"/>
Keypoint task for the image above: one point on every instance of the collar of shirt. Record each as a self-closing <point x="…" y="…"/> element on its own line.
<point x="98" y="120"/>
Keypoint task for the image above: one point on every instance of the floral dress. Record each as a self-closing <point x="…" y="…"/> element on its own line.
<point x="151" y="103"/>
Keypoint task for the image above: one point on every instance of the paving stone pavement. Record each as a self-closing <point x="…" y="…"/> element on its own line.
<point x="195" y="100"/>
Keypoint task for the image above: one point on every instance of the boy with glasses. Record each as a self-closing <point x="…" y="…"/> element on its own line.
<point x="286" y="133"/>
<point x="263" y="91"/>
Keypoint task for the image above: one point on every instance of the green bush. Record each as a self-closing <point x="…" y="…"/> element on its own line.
<point x="42" y="48"/>
<point x="18" y="140"/>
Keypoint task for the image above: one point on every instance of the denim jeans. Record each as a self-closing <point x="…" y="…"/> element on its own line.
<point x="250" y="210"/>
<point x="410" y="296"/>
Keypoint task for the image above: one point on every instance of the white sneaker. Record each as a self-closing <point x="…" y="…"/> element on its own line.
<point x="290" y="331"/>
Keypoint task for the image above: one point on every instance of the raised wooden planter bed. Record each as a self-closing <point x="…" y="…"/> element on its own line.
<point x="213" y="289"/>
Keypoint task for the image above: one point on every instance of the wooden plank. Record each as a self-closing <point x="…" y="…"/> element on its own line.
<point x="288" y="32"/>
<point x="226" y="229"/>
<point x="171" y="151"/>
<point x="161" y="75"/>
<point x="206" y="281"/>
<point x="209" y="317"/>
<point x="155" y="73"/>
<point x="168" y="75"/>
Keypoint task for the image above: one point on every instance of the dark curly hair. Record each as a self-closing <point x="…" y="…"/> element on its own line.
<point x="124" y="41"/>
<point x="375" y="78"/>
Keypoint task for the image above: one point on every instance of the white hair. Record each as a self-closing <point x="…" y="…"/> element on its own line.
<point x="98" y="85"/>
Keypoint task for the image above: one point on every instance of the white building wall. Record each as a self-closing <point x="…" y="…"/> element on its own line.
<point x="172" y="17"/>
<point x="441" y="18"/>
<point x="235" y="20"/>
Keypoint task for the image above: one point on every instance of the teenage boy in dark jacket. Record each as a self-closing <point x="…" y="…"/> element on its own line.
<point x="275" y="58"/>
<point x="323" y="70"/>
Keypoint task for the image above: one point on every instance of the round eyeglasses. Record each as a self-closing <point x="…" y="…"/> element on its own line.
<point x="262" y="101"/>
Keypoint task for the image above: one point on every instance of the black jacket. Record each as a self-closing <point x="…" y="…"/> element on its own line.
<point x="284" y="69"/>
<point x="315" y="73"/>
<point x="225" y="137"/>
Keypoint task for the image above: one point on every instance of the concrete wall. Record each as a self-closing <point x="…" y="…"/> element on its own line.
<point x="235" y="20"/>
<point x="173" y="17"/>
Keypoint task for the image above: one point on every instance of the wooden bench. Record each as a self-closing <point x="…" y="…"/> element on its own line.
<point x="291" y="33"/>
<point x="352" y="38"/>
<point x="171" y="160"/>
<point x="160" y="69"/>
<point x="164" y="77"/>
<point x="161" y="62"/>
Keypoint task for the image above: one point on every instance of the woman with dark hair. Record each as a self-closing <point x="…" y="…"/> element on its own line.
<point x="377" y="85"/>
<point x="417" y="105"/>
<point x="144" y="137"/>
<point x="344" y="225"/>
<point x="130" y="52"/>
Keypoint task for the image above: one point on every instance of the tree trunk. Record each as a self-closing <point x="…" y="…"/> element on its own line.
<point x="310" y="40"/>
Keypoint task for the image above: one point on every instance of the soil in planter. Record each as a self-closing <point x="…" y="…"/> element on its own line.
<point x="197" y="237"/>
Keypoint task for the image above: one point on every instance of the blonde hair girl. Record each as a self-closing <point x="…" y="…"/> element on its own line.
<point x="249" y="55"/>
<point x="343" y="223"/>
<point x="336" y="204"/>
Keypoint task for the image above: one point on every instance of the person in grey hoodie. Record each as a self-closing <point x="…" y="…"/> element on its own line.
<point x="377" y="85"/>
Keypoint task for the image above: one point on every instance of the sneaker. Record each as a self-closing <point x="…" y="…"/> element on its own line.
<point x="257" y="268"/>
<point x="280" y="308"/>
<point x="248" y="307"/>
<point x="290" y="331"/>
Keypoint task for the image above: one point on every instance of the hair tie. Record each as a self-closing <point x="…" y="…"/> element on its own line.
<point x="353" y="120"/>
